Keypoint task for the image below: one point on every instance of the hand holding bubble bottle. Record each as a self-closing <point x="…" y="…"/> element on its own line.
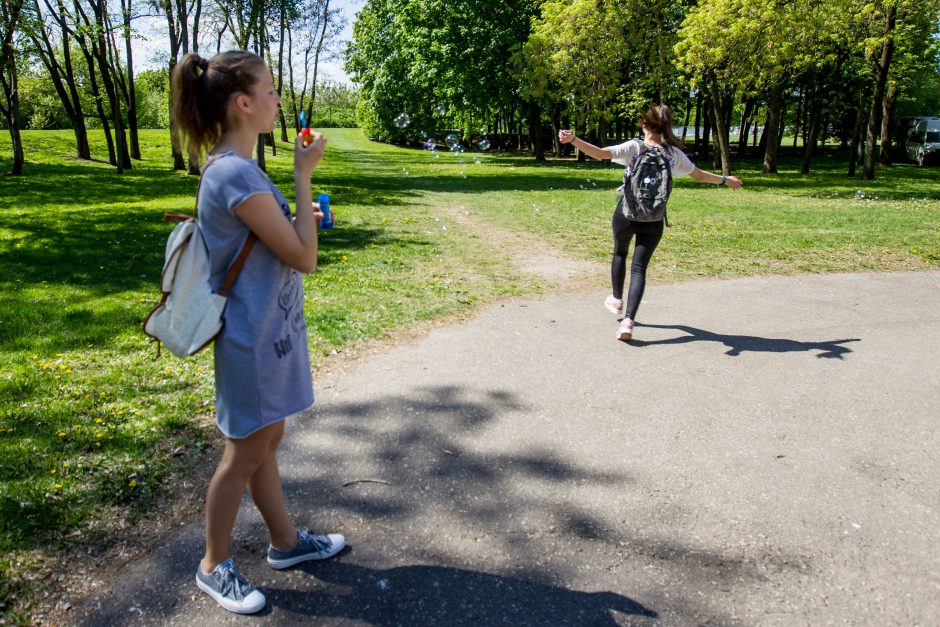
<point x="305" y="134"/>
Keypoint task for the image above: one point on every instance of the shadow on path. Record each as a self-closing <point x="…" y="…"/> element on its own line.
<point x="738" y="344"/>
<point x="429" y="595"/>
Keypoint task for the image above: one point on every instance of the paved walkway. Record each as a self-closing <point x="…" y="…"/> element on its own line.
<point x="764" y="453"/>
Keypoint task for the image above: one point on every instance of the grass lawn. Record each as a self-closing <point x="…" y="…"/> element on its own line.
<point x="95" y="433"/>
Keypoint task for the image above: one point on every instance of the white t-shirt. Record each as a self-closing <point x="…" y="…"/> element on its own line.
<point x="624" y="153"/>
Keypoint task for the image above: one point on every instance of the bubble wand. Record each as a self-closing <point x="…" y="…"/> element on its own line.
<point x="305" y="134"/>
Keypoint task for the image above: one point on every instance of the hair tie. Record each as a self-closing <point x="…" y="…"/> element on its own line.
<point x="204" y="64"/>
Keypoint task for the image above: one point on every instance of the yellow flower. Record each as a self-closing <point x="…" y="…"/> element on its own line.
<point x="132" y="483"/>
<point x="60" y="433"/>
<point x="98" y="421"/>
<point x="66" y="464"/>
<point x="52" y="472"/>
<point x="58" y="486"/>
<point x="99" y="435"/>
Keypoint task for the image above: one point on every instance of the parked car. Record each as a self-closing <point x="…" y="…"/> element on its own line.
<point x="923" y="143"/>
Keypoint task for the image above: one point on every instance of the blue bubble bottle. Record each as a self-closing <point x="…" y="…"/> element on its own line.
<point x="327" y="221"/>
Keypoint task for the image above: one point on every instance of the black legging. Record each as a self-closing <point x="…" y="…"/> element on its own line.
<point x="648" y="235"/>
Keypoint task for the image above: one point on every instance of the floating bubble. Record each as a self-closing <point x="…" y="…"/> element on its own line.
<point x="463" y="175"/>
<point x="452" y="140"/>
<point x="440" y="109"/>
<point x="403" y="120"/>
<point x="484" y="144"/>
<point x="429" y="144"/>
<point x="476" y="160"/>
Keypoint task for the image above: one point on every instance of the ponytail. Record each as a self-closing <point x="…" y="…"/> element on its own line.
<point x="658" y="118"/>
<point x="202" y="90"/>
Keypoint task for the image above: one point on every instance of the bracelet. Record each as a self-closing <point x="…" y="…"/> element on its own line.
<point x="723" y="179"/>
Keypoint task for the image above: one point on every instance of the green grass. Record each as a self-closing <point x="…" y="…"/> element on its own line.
<point x="95" y="433"/>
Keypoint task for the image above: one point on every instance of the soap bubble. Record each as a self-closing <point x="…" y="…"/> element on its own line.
<point x="403" y="120"/>
<point x="484" y="144"/>
<point x="452" y="140"/>
<point x="429" y="144"/>
<point x="440" y="110"/>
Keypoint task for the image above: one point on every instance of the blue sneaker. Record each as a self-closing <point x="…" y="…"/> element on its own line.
<point x="229" y="589"/>
<point x="308" y="547"/>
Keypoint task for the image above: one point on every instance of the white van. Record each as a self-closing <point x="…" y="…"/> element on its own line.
<point x="923" y="144"/>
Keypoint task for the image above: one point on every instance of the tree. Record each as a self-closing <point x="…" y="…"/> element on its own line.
<point x="61" y="73"/>
<point x="10" y="107"/>
<point x="440" y="61"/>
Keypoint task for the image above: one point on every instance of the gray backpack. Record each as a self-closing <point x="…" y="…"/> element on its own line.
<point x="647" y="184"/>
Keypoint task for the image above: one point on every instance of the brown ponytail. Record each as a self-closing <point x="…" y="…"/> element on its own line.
<point x="202" y="90"/>
<point x="658" y="118"/>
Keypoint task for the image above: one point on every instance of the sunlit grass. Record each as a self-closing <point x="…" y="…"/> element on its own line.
<point x="94" y="430"/>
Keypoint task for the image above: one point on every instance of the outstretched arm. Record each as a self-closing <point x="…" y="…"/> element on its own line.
<point x="716" y="179"/>
<point x="567" y="137"/>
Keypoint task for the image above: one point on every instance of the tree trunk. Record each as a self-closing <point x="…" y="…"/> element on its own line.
<point x="797" y="121"/>
<point x="774" y="106"/>
<point x="706" y="127"/>
<point x="698" y="122"/>
<point x="316" y="58"/>
<point x="63" y="78"/>
<point x="859" y="129"/>
<point x="887" y="118"/>
<point x="282" y="29"/>
<point x="685" y="124"/>
<point x="815" y="117"/>
<point x="535" y="131"/>
<point x="745" y="126"/>
<point x="881" y="79"/>
<point x="721" y="126"/>
<point x="131" y="92"/>
<point x="9" y="18"/>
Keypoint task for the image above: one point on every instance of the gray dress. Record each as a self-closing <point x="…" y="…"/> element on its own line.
<point x="262" y="367"/>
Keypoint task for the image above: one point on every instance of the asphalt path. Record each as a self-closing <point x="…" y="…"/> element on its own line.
<point x="764" y="452"/>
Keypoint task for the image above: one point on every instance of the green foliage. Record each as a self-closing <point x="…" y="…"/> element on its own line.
<point x="153" y="98"/>
<point x="40" y="106"/>
<point x="427" y="56"/>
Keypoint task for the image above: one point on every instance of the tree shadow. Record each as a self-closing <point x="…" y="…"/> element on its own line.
<point x="435" y="490"/>
<point x="737" y="344"/>
<point x="439" y="595"/>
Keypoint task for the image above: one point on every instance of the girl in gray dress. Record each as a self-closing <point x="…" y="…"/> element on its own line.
<point x="262" y="369"/>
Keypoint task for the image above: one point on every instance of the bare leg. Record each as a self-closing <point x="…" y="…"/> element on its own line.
<point x="240" y="461"/>
<point x="265" y="489"/>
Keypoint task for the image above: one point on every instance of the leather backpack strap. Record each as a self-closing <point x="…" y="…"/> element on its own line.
<point x="236" y="268"/>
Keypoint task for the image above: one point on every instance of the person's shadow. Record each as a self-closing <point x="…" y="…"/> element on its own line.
<point x="441" y="595"/>
<point x="738" y="344"/>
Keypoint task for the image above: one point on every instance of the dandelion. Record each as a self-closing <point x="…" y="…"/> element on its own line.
<point x="99" y="435"/>
<point x="58" y="486"/>
<point x="98" y="421"/>
<point x="53" y="471"/>
<point x="132" y="483"/>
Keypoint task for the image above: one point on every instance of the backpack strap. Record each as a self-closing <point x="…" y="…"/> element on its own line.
<point x="236" y="268"/>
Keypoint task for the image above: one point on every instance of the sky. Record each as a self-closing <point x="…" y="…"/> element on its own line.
<point x="151" y="46"/>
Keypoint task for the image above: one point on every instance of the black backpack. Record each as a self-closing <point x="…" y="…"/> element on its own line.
<point x="647" y="184"/>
